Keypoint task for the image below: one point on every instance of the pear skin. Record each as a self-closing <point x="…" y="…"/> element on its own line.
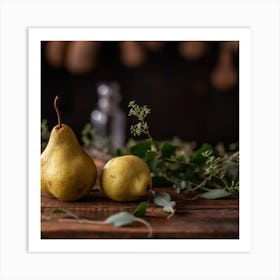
<point x="126" y="178"/>
<point x="67" y="171"/>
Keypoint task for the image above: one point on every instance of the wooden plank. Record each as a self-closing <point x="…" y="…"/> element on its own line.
<point x="199" y="218"/>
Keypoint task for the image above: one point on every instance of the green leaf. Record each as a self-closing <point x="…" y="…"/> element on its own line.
<point x="136" y="129"/>
<point x="161" y="199"/>
<point x="140" y="149"/>
<point x="65" y="211"/>
<point x="151" y="160"/>
<point x="216" y="193"/>
<point x="167" y="149"/>
<point x="141" y="209"/>
<point x="198" y="157"/>
<point x="169" y="207"/>
<point x="120" y="219"/>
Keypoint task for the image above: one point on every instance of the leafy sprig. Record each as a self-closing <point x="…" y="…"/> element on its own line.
<point x="119" y="219"/>
<point x="214" y="173"/>
<point x="141" y="127"/>
<point x="222" y="170"/>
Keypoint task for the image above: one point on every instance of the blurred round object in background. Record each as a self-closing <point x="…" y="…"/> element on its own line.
<point x="55" y="52"/>
<point x="81" y="56"/>
<point x="132" y="54"/>
<point x="224" y="76"/>
<point x="192" y="50"/>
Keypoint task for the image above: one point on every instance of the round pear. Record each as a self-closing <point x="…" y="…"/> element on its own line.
<point x="126" y="178"/>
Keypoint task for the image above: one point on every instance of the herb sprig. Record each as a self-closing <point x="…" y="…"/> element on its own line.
<point x="204" y="171"/>
<point x="140" y="113"/>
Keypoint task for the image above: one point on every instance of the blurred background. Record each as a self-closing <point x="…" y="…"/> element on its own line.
<point x="192" y="87"/>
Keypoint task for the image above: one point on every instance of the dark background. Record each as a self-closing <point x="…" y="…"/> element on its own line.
<point x="182" y="99"/>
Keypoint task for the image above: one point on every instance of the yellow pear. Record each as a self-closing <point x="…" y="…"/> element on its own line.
<point x="126" y="178"/>
<point x="67" y="171"/>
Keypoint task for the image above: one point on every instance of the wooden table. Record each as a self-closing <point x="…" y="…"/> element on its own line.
<point x="200" y="218"/>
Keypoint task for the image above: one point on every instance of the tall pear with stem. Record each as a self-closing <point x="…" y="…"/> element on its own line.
<point x="67" y="171"/>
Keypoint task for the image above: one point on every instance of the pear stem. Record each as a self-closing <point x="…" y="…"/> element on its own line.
<point x="57" y="112"/>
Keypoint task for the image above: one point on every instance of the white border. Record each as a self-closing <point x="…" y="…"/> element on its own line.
<point x="263" y="16"/>
<point x="243" y="35"/>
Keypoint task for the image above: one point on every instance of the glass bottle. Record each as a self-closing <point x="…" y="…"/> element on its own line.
<point x="107" y="118"/>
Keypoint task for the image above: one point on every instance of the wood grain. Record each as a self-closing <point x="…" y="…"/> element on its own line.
<point x="200" y="218"/>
